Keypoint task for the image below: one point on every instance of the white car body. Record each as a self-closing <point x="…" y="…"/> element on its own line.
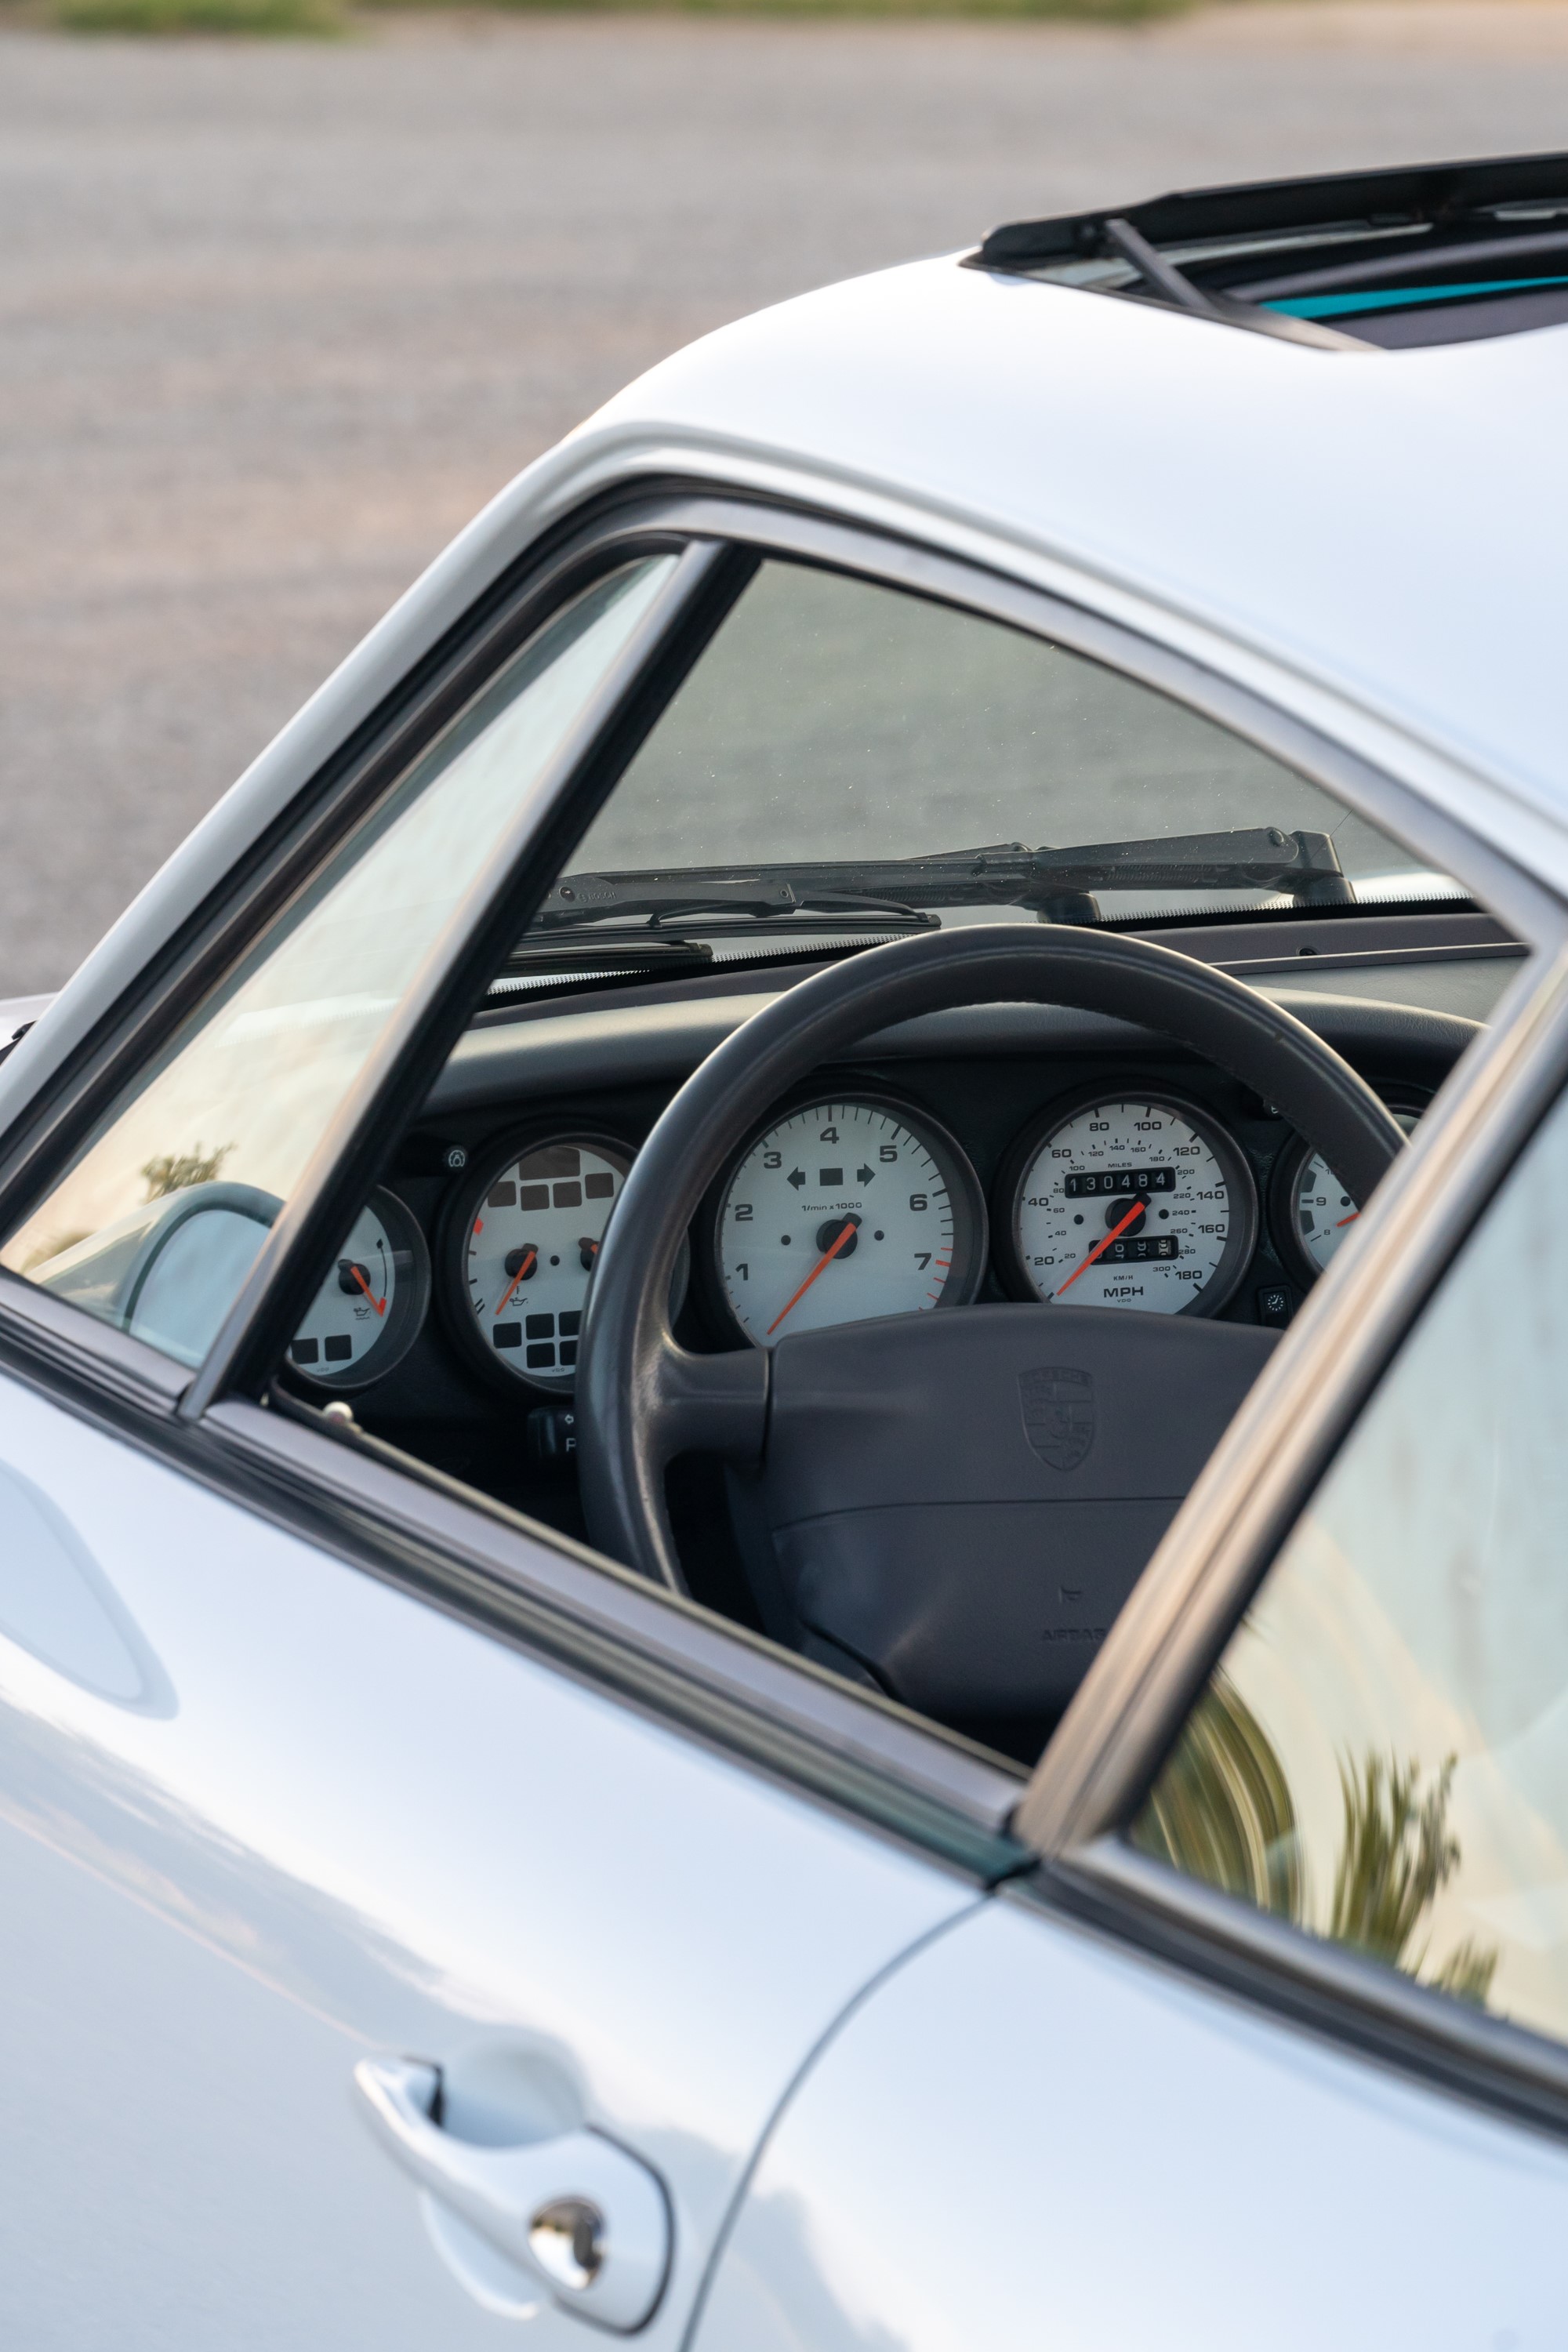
<point x="276" y="1799"/>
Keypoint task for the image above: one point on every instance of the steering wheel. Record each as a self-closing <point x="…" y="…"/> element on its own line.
<point x="920" y="1535"/>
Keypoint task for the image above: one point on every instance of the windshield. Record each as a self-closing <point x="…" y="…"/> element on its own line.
<point x="833" y="721"/>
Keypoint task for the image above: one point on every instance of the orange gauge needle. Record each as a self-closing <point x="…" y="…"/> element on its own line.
<point x="851" y="1227"/>
<point x="1350" y="1220"/>
<point x="379" y="1303"/>
<point x="529" y="1259"/>
<point x="1100" y="1247"/>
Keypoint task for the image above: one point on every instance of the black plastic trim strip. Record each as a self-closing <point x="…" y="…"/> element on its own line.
<point x="50" y="1328"/>
<point x="1320" y="1987"/>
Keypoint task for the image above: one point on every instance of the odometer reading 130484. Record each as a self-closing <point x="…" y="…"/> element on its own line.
<point x="1130" y="1202"/>
<point x="841" y="1211"/>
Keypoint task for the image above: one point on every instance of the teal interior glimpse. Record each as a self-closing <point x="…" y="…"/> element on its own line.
<point x="1340" y="306"/>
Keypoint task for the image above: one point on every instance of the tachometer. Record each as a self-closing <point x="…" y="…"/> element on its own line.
<point x="1313" y="1213"/>
<point x="366" y="1314"/>
<point x="1126" y="1199"/>
<point x="519" y="1248"/>
<point x="844" y="1209"/>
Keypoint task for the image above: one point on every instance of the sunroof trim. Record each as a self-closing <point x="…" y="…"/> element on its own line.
<point x="1181" y="251"/>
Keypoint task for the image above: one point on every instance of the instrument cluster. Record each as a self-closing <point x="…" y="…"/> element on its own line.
<point x="842" y="1206"/>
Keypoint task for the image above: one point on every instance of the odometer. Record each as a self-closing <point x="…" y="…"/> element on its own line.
<point x="1126" y="1200"/>
<point x="844" y="1208"/>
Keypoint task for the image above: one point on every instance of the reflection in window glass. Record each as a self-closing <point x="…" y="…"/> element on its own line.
<point x="235" y="1105"/>
<point x="1383" y="1755"/>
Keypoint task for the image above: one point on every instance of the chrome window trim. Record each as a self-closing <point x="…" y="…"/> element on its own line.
<point x="416" y="1539"/>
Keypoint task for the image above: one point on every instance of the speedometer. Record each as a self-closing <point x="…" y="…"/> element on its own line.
<point x="844" y="1209"/>
<point x="1129" y="1200"/>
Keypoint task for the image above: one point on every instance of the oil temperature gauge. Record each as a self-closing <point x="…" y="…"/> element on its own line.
<point x="366" y="1314"/>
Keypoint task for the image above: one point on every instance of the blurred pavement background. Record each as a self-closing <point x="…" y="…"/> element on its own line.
<point x="275" y="318"/>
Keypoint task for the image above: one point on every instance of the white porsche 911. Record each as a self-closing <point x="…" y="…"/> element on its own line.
<point x="771" y="1577"/>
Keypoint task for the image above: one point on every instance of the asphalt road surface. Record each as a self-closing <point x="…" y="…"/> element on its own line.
<point x="276" y="318"/>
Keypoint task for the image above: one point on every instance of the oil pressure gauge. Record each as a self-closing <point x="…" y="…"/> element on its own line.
<point x="519" y="1248"/>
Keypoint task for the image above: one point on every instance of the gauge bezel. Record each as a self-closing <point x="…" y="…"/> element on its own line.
<point x="1293" y="1253"/>
<point x="970" y="1241"/>
<point x="1241" y="1188"/>
<point x="484" y="1166"/>
<point x="410" y="1304"/>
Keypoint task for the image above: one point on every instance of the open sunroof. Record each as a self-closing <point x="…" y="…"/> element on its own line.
<point x="1445" y="253"/>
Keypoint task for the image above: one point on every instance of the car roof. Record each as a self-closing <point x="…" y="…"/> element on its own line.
<point x="1384" y="524"/>
<point x="1391" y="524"/>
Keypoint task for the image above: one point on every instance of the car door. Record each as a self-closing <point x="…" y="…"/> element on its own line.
<point x="269" y="1817"/>
<point x="1272" y="2046"/>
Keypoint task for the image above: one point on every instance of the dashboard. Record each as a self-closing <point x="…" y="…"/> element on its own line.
<point x="1000" y="1153"/>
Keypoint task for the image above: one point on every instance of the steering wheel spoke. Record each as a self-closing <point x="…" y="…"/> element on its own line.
<point x="709" y="1404"/>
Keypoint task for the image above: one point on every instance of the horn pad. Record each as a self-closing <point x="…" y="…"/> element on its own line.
<point x="964" y="1500"/>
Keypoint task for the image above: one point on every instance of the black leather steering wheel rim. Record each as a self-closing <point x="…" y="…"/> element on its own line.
<point x="641" y="1399"/>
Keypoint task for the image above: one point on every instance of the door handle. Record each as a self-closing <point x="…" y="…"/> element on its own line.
<point x="578" y="2213"/>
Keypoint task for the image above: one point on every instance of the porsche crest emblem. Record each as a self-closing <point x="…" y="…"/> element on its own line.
<point x="1058" y="1413"/>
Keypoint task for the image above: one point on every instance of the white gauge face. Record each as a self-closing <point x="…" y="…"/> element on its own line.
<point x="840" y="1212"/>
<point x="1125" y="1203"/>
<point x="528" y="1252"/>
<point x="367" y="1314"/>
<point x="351" y="1307"/>
<point x="1321" y="1211"/>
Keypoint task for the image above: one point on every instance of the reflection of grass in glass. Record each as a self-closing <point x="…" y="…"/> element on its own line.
<point x="56" y="1246"/>
<point x="319" y="18"/>
<point x="1221" y="1812"/>
<point x="176" y="1171"/>
<point x="316" y="17"/>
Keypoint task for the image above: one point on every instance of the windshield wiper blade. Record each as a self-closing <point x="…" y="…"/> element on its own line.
<point x="764" y="893"/>
<point x="1057" y="885"/>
